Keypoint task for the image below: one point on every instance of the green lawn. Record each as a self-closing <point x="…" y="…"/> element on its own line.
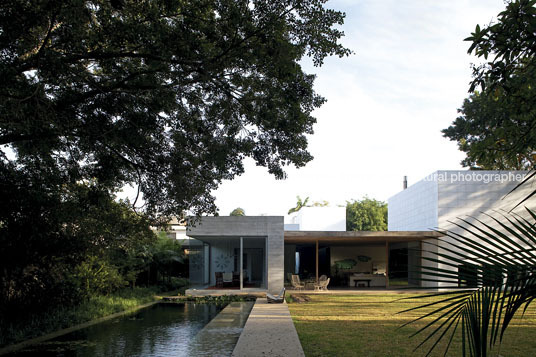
<point x="367" y="325"/>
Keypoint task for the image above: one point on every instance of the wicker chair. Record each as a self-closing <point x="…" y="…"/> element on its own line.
<point x="296" y="283"/>
<point x="322" y="284"/>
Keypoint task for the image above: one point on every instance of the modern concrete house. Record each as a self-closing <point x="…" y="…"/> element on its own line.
<point x="315" y="242"/>
<point x="268" y="255"/>
<point x="221" y="245"/>
<point x="445" y="195"/>
<point x="439" y="200"/>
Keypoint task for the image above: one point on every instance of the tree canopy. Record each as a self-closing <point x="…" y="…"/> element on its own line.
<point x="497" y="125"/>
<point x="168" y="95"/>
<point x="496" y="130"/>
<point x="238" y="212"/>
<point x="366" y="214"/>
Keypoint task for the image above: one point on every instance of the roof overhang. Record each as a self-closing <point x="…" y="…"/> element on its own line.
<point x="305" y="237"/>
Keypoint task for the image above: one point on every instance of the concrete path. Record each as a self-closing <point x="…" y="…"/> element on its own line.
<point x="269" y="331"/>
<point x="219" y="336"/>
<point x="363" y="291"/>
<point x="220" y="292"/>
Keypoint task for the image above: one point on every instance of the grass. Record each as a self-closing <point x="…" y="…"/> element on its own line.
<point x="62" y="317"/>
<point x="367" y="325"/>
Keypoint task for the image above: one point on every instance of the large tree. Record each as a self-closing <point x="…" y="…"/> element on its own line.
<point x="366" y="214"/>
<point x="497" y="123"/>
<point x="168" y="95"/>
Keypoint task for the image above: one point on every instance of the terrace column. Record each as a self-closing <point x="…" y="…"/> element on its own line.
<point x="241" y="263"/>
<point x="386" y="264"/>
<point x="317" y="261"/>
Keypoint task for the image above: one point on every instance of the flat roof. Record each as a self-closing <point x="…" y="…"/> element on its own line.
<point x="358" y="237"/>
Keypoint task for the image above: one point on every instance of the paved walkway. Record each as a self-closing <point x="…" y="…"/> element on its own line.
<point x="219" y="292"/>
<point x="269" y="331"/>
<point x="363" y="291"/>
<point x="220" y="335"/>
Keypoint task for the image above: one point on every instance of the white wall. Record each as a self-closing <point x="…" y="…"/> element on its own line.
<point x="469" y="193"/>
<point x="445" y="196"/>
<point x="414" y="209"/>
<point x="320" y="219"/>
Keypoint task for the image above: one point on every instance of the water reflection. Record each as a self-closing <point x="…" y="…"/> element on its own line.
<point x="219" y="337"/>
<point x="161" y="330"/>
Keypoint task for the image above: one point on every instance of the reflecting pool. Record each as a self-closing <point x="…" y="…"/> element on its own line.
<point x="160" y="330"/>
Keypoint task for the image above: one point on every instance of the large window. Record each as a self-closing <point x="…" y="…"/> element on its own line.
<point x="215" y="262"/>
<point x="198" y="252"/>
<point x="254" y="262"/>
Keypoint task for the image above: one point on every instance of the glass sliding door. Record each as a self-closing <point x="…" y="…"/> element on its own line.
<point x="223" y="272"/>
<point x="228" y="262"/>
<point x="254" y="262"/>
<point x="198" y="263"/>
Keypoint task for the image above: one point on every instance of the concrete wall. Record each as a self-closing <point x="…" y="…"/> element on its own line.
<point x="469" y="193"/>
<point x="414" y="209"/>
<point x="249" y="226"/>
<point x="444" y="196"/>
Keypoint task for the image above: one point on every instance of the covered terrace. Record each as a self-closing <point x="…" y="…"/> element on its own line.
<point x="356" y="259"/>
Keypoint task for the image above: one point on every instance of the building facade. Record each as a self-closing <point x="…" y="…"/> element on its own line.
<point x="261" y="253"/>
<point x="444" y="198"/>
<point x="247" y="252"/>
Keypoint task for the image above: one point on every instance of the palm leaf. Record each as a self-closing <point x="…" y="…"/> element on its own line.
<point x="499" y="260"/>
<point x="525" y="180"/>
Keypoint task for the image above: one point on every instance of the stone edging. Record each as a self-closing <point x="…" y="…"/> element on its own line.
<point x="49" y="336"/>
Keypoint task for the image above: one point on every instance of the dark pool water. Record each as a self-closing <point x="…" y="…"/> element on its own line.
<point x="160" y="330"/>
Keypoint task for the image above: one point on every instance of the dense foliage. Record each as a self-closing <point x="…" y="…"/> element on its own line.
<point x="52" y="318"/>
<point x="366" y="215"/>
<point x="497" y="124"/>
<point x="51" y="245"/>
<point x="99" y="246"/>
<point x="166" y="95"/>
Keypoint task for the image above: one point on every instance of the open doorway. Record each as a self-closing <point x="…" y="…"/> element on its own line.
<point x="404" y="264"/>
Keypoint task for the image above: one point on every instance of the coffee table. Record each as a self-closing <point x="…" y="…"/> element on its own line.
<point x="358" y="280"/>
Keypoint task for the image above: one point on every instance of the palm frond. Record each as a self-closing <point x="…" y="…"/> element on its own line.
<point x="522" y="183"/>
<point x="490" y="271"/>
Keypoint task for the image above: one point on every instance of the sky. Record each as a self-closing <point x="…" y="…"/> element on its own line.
<point x="386" y="106"/>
